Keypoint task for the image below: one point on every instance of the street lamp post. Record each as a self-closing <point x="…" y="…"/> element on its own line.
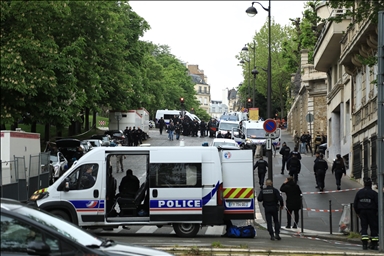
<point x="245" y="48"/>
<point x="249" y="77"/>
<point x="251" y="11"/>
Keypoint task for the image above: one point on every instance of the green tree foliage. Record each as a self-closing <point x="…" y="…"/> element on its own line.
<point x="280" y="75"/>
<point x="62" y="59"/>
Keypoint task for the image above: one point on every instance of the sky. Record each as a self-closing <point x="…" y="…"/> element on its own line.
<point x="210" y="33"/>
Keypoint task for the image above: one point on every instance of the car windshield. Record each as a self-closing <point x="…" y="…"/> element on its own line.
<point x="227" y="126"/>
<point x="94" y="143"/>
<point x="67" y="229"/>
<point x="229" y="118"/>
<point x="220" y="144"/>
<point x="256" y="133"/>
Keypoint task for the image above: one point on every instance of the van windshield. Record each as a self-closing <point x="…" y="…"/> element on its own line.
<point x="256" y="133"/>
<point x="227" y="126"/>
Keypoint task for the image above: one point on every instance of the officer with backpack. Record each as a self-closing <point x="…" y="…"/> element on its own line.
<point x="321" y="167"/>
<point x="261" y="166"/>
<point x="284" y="151"/>
<point x="294" y="167"/>
<point x="271" y="199"/>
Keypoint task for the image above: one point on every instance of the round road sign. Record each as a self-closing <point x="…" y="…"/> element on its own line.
<point x="309" y="117"/>
<point x="270" y="125"/>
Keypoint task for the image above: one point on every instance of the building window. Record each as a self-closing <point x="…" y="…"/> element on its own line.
<point x="358" y="88"/>
<point x="373" y="159"/>
<point x="356" y="171"/>
<point x="205" y="89"/>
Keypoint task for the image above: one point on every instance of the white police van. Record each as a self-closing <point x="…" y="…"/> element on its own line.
<point x="253" y="132"/>
<point x="186" y="187"/>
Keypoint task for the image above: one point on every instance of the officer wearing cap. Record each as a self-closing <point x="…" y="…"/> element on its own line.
<point x="261" y="166"/>
<point x="366" y="206"/>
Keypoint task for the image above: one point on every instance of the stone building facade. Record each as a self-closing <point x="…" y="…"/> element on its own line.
<point x="351" y="90"/>
<point x="310" y="100"/>
<point x="202" y="88"/>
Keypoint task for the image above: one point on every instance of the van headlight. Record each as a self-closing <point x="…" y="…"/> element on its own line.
<point x="39" y="194"/>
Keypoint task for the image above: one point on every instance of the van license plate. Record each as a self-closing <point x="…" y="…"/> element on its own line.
<point x="238" y="204"/>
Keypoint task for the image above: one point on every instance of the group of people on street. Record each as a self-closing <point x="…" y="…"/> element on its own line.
<point x="187" y="127"/>
<point x="133" y="136"/>
<point x="304" y="142"/>
<point x="365" y="205"/>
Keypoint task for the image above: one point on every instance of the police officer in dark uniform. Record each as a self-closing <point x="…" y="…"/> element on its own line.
<point x="294" y="167"/>
<point x="339" y="169"/>
<point x="261" y="166"/>
<point x="366" y="205"/>
<point x="284" y="151"/>
<point x="321" y="167"/>
<point x="271" y="198"/>
<point x="317" y="154"/>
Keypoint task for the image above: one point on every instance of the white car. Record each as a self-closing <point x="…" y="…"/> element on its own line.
<point x="59" y="164"/>
<point x="224" y="143"/>
<point x="95" y="143"/>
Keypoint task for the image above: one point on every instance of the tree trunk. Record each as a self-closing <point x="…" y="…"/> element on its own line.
<point x="86" y="120"/>
<point x="94" y="119"/>
<point x="33" y="126"/>
<point x="46" y="132"/>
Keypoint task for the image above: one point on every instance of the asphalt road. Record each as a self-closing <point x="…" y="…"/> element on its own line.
<point x="316" y="230"/>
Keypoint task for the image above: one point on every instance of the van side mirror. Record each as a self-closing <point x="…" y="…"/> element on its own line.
<point x="64" y="185"/>
<point x="243" y="136"/>
<point x="38" y="248"/>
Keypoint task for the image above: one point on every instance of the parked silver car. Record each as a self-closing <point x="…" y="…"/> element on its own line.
<point x="30" y="231"/>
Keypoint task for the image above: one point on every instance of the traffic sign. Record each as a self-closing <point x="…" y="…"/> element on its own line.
<point x="309" y="117"/>
<point x="270" y="125"/>
<point x="268" y="143"/>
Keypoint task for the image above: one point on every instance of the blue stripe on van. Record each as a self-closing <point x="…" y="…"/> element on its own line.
<point x="209" y="196"/>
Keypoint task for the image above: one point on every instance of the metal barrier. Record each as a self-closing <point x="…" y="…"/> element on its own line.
<point x="13" y="182"/>
<point x="39" y="172"/>
<point x="17" y="182"/>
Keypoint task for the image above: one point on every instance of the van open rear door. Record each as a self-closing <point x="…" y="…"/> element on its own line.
<point x="238" y="184"/>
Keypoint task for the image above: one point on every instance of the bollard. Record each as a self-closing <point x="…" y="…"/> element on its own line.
<point x="301" y="213"/>
<point x="330" y="217"/>
<point x="182" y="144"/>
<point x="351" y="227"/>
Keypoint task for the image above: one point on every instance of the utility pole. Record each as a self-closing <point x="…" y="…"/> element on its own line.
<point x="380" y="128"/>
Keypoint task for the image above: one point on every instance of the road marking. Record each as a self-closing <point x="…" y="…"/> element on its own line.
<point x="147" y="229"/>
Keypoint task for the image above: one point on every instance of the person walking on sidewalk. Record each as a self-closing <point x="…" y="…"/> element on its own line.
<point x="366" y="206"/>
<point x="321" y="167"/>
<point x="317" y="154"/>
<point x="296" y="139"/>
<point x="309" y="143"/>
<point x="293" y="202"/>
<point x="284" y="151"/>
<point x="339" y="169"/>
<point x="294" y="167"/>
<point x="303" y="143"/>
<point x="161" y="125"/>
<point x="271" y="199"/>
<point x="261" y="166"/>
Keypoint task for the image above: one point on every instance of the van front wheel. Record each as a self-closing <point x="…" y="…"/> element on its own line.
<point x="61" y="215"/>
<point x="186" y="229"/>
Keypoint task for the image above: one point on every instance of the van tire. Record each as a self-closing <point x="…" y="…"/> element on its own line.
<point x="61" y="214"/>
<point x="186" y="229"/>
